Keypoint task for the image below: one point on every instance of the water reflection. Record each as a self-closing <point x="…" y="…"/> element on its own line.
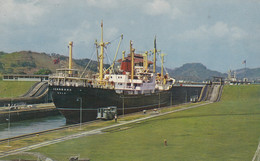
<point x="30" y="126"/>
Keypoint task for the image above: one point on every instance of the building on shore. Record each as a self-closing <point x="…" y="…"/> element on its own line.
<point x="25" y="77"/>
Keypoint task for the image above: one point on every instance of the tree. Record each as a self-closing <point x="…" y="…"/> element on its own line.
<point x="43" y="71"/>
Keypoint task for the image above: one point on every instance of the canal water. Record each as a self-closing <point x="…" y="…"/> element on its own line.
<point x="30" y="126"/>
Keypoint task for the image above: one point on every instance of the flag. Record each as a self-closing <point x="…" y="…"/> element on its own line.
<point x="244" y="62"/>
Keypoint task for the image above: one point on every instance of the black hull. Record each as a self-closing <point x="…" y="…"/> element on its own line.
<point x="68" y="100"/>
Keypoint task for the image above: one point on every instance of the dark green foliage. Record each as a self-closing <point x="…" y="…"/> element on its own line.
<point x="14" y="65"/>
<point x="82" y="62"/>
<point x="252" y="74"/>
<point x="93" y="65"/>
<point x="24" y="64"/>
<point x="1" y="68"/>
<point x="8" y="71"/>
<point x="20" y="71"/>
<point x="28" y="64"/>
<point x="61" y="57"/>
<point x="43" y="71"/>
<point x="2" y="53"/>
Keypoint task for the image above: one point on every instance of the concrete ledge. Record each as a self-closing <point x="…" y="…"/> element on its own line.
<point x="26" y="114"/>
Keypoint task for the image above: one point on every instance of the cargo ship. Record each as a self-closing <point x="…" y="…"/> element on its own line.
<point x="134" y="87"/>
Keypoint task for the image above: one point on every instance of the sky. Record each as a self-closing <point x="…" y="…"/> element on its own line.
<point x="220" y="34"/>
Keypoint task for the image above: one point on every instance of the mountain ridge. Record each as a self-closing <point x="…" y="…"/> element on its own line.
<point x="194" y="72"/>
<point x="28" y="62"/>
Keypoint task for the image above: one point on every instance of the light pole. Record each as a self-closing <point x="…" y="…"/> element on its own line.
<point x="159" y="104"/>
<point x="80" y="116"/>
<point x="123" y="106"/>
<point x="9" y="126"/>
<point x="171" y="99"/>
<point x="186" y="96"/>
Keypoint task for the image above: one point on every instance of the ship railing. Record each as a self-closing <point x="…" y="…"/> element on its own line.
<point x="82" y="83"/>
<point x="104" y="85"/>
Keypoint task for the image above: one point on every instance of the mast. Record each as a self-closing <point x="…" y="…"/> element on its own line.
<point x="70" y="56"/>
<point x="145" y="60"/>
<point x="96" y="43"/>
<point x="154" y="55"/>
<point x="102" y="44"/>
<point x="101" y="56"/>
<point x="162" y="57"/>
<point x="132" y="60"/>
<point x="123" y="55"/>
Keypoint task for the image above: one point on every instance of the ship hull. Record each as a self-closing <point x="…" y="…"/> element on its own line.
<point x="74" y="102"/>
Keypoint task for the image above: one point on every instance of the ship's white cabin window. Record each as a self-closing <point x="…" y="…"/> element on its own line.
<point x="119" y="77"/>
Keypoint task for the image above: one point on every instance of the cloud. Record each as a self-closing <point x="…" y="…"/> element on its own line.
<point x="199" y="27"/>
<point x="237" y="33"/>
<point x="219" y="30"/>
<point x="112" y="32"/>
<point x="103" y="3"/>
<point x="83" y="34"/>
<point x="24" y="12"/>
<point x="157" y="7"/>
<point x="79" y="34"/>
<point x="161" y="7"/>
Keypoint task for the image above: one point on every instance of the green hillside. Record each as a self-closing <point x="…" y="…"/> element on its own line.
<point x="27" y="62"/>
<point x="9" y="89"/>
<point x="252" y="74"/>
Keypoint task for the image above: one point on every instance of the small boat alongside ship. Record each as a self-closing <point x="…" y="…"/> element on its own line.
<point x="134" y="87"/>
